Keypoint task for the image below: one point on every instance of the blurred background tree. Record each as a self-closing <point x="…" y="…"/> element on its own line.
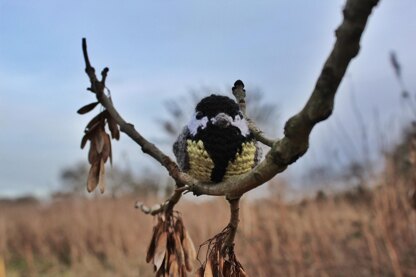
<point x="119" y="181"/>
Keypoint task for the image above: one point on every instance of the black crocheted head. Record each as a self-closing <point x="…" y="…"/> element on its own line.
<point x="221" y="142"/>
<point x="214" y="104"/>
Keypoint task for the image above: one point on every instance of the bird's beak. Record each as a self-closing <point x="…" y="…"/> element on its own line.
<point x="222" y="120"/>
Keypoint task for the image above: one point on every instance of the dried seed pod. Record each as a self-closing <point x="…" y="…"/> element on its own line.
<point x="99" y="139"/>
<point x="226" y="269"/>
<point x="188" y="250"/>
<point x="208" y="272"/>
<point x="101" y="176"/>
<point x="157" y="230"/>
<point x="93" y="176"/>
<point x="93" y="155"/>
<point x="200" y="272"/>
<point x="106" y="153"/>
<point x="87" y="108"/>
<point x="98" y="118"/>
<point x="166" y="247"/>
<point x="242" y="273"/>
<point x="179" y="250"/>
<point x="160" y="251"/>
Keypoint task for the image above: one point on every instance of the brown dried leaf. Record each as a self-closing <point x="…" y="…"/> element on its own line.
<point x="93" y="176"/>
<point x="179" y="227"/>
<point x="188" y="250"/>
<point x="160" y="250"/>
<point x="157" y="230"/>
<point x="174" y="269"/>
<point x="226" y="269"/>
<point x="87" y="108"/>
<point x="112" y="125"/>
<point x="98" y="119"/>
<point x="180" y="256"/>
<point x="84" y="140"/>
<point x="99" y="140"/>
<point x="161" y="272"/>
<point x="183" y="271"/>
<point x="101" y="176"/>
<point x="106" y="153"/>
<point x="221" y="263"/>
<point x="242" y="273"/>
<point x="208" y="269"/>
<point x="199" y="272"/>
<point x="93" y="155"/>
<point x="90" y="133"/>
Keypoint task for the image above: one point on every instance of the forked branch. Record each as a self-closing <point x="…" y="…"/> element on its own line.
<point x="297" y="129"/>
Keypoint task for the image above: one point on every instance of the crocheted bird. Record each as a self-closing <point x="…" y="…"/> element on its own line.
<point x="216" y="143"/>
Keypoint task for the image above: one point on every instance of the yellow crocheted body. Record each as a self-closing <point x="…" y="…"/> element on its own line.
<point x="244" y="162"/>
<point x="201" y="165"/>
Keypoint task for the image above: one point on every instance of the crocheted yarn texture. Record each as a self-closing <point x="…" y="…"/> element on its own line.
<point x="216" y="143"/>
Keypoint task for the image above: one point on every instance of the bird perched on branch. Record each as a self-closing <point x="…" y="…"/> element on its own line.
<point x="216" y="143"/>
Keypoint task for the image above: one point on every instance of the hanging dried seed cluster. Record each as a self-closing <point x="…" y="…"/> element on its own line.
<point x="100" y="145"/>
<point x="220" y="262"/>
<point x="171" y="249"/>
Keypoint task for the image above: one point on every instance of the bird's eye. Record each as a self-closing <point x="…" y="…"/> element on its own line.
<point x="199" y="115"/>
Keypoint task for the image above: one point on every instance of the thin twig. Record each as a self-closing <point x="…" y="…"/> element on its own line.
<point x="166" y="207"/>
<point x="240" y="95"/>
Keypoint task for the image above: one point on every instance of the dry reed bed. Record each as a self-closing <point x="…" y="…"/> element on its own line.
<point x="372" y="235"/>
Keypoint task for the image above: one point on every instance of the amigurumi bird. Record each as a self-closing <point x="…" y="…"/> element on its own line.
<point x="216" y="143"/>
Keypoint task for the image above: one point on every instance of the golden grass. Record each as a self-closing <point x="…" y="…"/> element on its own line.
<point x="337" y="236"/>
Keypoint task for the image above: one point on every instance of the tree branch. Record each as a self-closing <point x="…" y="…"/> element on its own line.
<point x="240" y="95"/>
<point x="98" y="88"/>
<point x="232" y="225"/>
<point x="319" y="107"/>
<point x="167" y="206"/>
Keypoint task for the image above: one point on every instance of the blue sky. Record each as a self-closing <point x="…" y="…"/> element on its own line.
<point x="158" y="50"/>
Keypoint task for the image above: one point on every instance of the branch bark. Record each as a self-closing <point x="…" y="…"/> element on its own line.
<point x="233" y="225"/>
<point x="166" y="207"/>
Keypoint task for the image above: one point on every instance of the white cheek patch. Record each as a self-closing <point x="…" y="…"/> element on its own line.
<point x="194" y="124"/>
<point x="241" y="123"/>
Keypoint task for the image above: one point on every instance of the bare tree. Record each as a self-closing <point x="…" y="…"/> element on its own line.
<point x="171" y="249"/>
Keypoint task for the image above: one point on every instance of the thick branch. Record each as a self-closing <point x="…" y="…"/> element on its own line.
<point x="319" y="107"/>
